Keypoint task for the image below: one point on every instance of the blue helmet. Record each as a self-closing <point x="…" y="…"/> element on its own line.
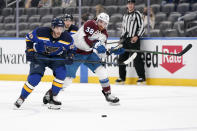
<point x="57" y="22"/>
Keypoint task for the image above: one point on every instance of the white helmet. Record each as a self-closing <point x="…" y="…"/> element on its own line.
<point x="104" y="17"/>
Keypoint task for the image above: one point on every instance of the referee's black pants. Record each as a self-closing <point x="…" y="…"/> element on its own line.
<point x="138" y="62"/>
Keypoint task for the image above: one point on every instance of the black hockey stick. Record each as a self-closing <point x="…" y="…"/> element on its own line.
<point x="114" y="42"/>
<point x="80" y="61"/>
<point x="186" y="49"/>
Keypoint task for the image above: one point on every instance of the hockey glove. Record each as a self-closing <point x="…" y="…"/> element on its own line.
<point x="117" y="51"/>
<point x="100" y="47"/>
<point x="68" y="61"/>
<point x="30" y="54"/>
<point x="69" y="55"/>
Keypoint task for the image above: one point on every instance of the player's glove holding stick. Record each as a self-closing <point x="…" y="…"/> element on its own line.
<point x="68" y="56"/>
<point x="30" y="54"/>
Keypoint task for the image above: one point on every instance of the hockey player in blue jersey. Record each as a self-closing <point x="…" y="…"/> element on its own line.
<point x="48" y="43"/>
<point x="69" y="26"/>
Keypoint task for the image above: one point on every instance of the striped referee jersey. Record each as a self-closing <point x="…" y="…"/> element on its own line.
<point x="133" y="24"/>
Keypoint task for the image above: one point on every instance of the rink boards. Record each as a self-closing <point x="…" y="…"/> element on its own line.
<point x="160" y="69"/>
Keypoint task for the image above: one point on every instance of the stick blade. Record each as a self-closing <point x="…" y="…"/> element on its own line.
<point x="187" y="48"/>
<point x="130" y="59"/>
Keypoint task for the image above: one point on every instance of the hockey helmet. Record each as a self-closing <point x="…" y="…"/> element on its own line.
<point x="104" y="17"/>
<point x="67" y="17"/>
<point x="57" y="22"/>
<point x="130" y="1"/>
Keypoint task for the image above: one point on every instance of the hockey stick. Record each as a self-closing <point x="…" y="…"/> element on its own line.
<point x="115" y="42"/>
<point x="186" y="49"/>
<point x="129" y="60"/>
<point x="80" y="61"/>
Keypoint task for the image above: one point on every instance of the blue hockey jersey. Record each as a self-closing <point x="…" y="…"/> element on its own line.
<point x="72" y="29"/>
<point x="42" y="41"/>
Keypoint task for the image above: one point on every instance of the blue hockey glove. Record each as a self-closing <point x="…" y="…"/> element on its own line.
<point x="117" y="51"/>
<point x="100" y="48"/>
<point x="30" y="54"/>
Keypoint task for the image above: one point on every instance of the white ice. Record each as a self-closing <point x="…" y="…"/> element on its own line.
<point x="142" y="108"/>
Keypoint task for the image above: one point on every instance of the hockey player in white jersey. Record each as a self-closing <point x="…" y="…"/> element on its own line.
<point x="90" y="41"/>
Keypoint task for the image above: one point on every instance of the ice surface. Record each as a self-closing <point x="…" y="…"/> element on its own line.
<point x="142" y="108"/>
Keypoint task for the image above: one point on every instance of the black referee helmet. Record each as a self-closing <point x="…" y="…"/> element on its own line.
<point x="132" y="1"/>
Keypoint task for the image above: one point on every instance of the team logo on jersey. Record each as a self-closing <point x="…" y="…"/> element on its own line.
<point x="169" y="62"/>
<point x="50" y="49"/>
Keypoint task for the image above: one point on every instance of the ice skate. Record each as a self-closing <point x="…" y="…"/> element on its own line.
<point x="141" y="81"/>
<point x="51" y="101"/>
<point x="54" y="103"/>
<point x="18" y="103"/>
<point x="120" y="82"/>
<point x="46" y="97"/>
<point x="110" y="98"/>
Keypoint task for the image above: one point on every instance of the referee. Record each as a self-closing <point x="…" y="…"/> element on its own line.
<point x="132" y="30"/>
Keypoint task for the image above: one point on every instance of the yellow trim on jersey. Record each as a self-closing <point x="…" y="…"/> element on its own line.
<point x="57" y="84"/>
<point x="30" y="50"/>
<point x="27" y="89"/>
<point x="74" y="31"/>
<point x="27" y="40"/>
<point x="64" y="42"/>
<point x="43" y="38"/>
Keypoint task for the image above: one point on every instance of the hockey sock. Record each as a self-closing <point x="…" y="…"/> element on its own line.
<point x="57" y="86"/>
<point x="28" y="87"/>
<point x="105" y="85"/>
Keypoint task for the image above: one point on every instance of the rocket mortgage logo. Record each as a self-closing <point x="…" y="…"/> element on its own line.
<point x="169" y="62"/>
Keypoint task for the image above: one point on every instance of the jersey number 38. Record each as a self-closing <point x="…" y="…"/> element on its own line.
<point x="89" y="30"/>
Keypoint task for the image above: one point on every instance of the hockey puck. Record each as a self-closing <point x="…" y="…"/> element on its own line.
<point x="104" y="115"/>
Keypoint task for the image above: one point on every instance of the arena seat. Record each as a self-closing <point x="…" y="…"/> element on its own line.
<point x="57" y="10"/>
<point x="155" y="33"/>
<point x="21" y="11"/>
<point x="1" y="19"/>
<point x="44" y="11"/>
<point x="23" y="26"/>
<point x="2" y="33"/>
<point x="155" y="8"/>
<point x="174" y="16"/>
<point x="183" y="7"/>
<point x="168" y="8"/>
<point x="32" y="26"/>
<point x="111" y="9"/>
<point x="34" y="18"/>
<point x="194" y="7"/>
<point x="31" y="11"/>
<point x="10" y="33"/>
<point x="23" y="18"/>
<point x="23" y="33"/>
<point x="9" y="19"/>
<point x="7" y="12"/>
<point x="46" y="18"/>
<point x="165" y="25"/>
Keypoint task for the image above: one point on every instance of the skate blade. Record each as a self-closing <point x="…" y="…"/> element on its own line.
<point x="141" y="83"/>
<point x="54" y="107"/>
<point x="17" y="108"/>
<point x="114" y="104"/>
